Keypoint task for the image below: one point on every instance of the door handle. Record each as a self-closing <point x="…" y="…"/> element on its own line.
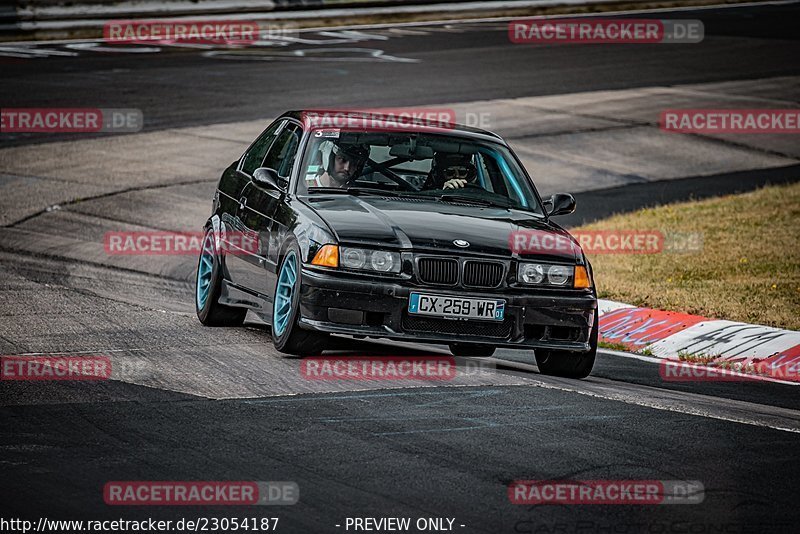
<point x="242" y="203"/>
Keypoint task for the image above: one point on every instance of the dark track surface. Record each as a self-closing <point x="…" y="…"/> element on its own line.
<point x="413" y="452"/>
<point x="181" y="87"/>
<point x="427" y="453"/>
<point x="595" y="205"/>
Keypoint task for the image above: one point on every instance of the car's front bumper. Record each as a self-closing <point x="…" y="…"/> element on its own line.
<point x="548" y="319"/>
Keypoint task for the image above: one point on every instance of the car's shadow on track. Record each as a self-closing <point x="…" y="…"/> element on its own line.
<point x="358" y="347"/>
<point x="343" y="350"/>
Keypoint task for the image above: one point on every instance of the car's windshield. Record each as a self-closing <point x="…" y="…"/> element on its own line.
<point x="403" y="164"/>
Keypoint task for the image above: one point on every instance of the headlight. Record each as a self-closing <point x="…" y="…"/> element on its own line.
<point x="531" y="273"/>
<point x="383" y="261"/>
<point x="361" y="259"/>
<point x="353" y="258"/>
<point x="548" y="274"/>
<point x="558" y="275"/>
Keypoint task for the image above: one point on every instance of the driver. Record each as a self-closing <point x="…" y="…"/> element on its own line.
<point x="341" y="163"/>
<point x="451" y="171"/>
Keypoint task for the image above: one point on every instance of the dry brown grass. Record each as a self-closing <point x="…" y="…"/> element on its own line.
<point x="748" y="269"/>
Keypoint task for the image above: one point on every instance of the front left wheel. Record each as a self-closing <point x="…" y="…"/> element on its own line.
<point x="287" y="335"/>
<point x="570" y="364"/>
<point x="208" y="284"/>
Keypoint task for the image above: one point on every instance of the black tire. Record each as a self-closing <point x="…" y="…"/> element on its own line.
<point x="292" y="339"/>
<point x="212" y="313"/>
<point x="569" y="364"/>
<point x="467" y="350"/>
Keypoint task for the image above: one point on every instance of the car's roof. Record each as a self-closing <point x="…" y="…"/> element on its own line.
<point x="402" y="119"/>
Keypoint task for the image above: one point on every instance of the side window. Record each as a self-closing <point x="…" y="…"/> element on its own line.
<point x="282" y="154"/>
<point x="256" y="154"/>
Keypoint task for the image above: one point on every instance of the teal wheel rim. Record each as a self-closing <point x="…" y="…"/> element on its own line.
<point x="284" y="294"/>
<point x="204" y="269"/>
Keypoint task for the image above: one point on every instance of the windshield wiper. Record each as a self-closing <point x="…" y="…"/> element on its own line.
<point x="351" y="190"/>
<point x="449" y="197"/>
<point x="354" y="191"/>
<point x="373" y="191"/>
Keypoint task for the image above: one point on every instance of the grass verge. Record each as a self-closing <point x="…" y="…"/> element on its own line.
<point x="748" y="268"/>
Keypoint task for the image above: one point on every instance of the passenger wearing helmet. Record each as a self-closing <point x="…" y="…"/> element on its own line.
<point x="341" y="163"/>
<point x="451" y="171"/>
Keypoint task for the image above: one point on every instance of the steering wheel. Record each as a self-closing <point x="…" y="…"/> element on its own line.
<point x="383" y="169"/>
<point x="468" y="185"/>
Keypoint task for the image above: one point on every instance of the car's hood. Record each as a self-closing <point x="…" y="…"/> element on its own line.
<point x="429" y="226"/>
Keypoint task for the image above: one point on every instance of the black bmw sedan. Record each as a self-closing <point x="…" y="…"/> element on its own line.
<point x="354" y="223"/>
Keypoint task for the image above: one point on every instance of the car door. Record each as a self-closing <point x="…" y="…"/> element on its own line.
<point x="234" y="218"/>
<point x="261" y="202"/>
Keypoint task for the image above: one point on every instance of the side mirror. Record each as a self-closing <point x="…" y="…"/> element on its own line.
<point x="268" y="177"/>
<point x="560" y="204"/>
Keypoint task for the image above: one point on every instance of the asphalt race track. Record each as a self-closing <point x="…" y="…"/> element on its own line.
<point x="188" y="402"/>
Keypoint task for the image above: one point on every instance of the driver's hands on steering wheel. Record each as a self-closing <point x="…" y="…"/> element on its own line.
<point x="454" y="183"/>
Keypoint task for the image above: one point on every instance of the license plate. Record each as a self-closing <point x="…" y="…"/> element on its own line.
<point x="457" y="307"/>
